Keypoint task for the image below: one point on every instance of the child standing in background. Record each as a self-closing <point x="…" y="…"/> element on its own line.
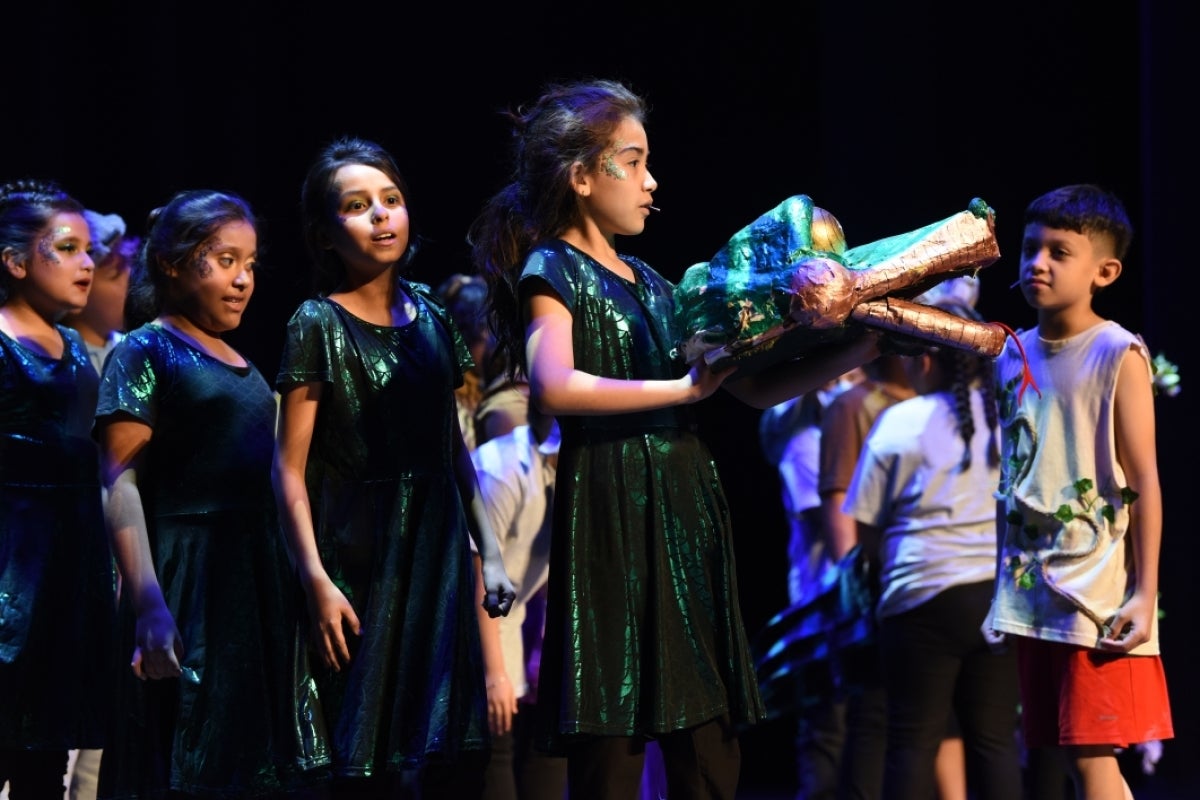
<point x="844" y="427"/>
<point x="101" y="324"/>
<point x="1080" y="509"/>
<point x="790" y="438"/>
<point x="377" y="493"/>
<point x="217" y="703"/>
<point x="922" y="495"/>
<point x="516" y="476"/>
<point x="56" y="585"/>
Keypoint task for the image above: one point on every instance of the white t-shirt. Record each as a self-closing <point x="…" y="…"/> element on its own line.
<point x="938" y="522"/>
<point x="1067" y="562"/>
<point x="516" y="482"/>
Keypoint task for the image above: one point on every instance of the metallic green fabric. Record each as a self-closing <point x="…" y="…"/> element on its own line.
<point x="56" y="578"/>
<point x="644" y="634"/>
<point x="242" y="719"/>
<point x="392" y="532"/>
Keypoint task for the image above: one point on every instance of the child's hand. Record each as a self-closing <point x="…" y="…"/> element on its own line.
<point x="498" y="589"/>
<point x="502" y="704"/>
<point x="159" y="646"/>
<point x="1130" y="626"/>
<point x="331" y="615"/>
<point x="997" y="642"/>
<point x="703" y="380"/>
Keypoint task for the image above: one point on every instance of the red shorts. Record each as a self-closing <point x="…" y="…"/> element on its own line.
<point x="1073" y="695"/>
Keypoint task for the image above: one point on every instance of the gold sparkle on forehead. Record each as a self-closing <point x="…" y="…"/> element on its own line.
<point x="62" y="230"/>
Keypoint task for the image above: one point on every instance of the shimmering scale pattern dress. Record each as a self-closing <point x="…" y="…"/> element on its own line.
<point x="56" y="576"/>
<point x="643" y="633"/>
<point x="392" y="532"/>
<point x="243" y="719"/>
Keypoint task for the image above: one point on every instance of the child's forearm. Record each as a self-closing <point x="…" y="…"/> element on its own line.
<point x="1145" y="532"/>
<point x="131" y="543"/>
<point x="793" y="378"/>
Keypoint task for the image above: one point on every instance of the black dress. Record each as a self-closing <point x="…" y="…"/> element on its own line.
<point x="392" y="532"/>
<point x="56" y="574"/>
<point x="243" y="719"/>
<point x="643" y="632"/>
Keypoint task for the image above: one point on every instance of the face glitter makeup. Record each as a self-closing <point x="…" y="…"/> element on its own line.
<point x="200" y="262"/>
<point x="608" y="163"/>
<point x="45" y="248"/>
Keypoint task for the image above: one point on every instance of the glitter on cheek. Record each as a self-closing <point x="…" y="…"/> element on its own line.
<point x="200" y="262"/>
<point x="45" y="248"/>
<point x="608" y="163"/>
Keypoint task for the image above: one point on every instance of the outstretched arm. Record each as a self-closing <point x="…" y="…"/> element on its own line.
<point x="792" y="378"/>
<point x="158" y="645"/>
<point x="1134" y="420"/>
<point x="560" y="389"/>
<point x="330" y="613"/>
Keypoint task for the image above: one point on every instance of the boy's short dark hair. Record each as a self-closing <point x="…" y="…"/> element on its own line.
<point x="1084" y="208"/>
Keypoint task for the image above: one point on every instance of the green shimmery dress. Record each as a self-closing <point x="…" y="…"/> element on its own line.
<point x="643" y="633"/>
<point x="242" y="719"/>
<point x="392" y="532"/>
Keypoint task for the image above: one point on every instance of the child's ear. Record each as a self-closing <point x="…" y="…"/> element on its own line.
<point x="13" y="262"/>
<point x="580" y="180"/>
<point x="1110" y="270"/>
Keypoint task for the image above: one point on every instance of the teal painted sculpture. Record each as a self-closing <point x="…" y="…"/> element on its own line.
<point x="786" y="283"/>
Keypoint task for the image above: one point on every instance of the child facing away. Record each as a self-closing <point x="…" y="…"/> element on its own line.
<point x="377" y="493"/>
<point x="213" y="705"/>
<point x="1080" y="509"/>
<point x="922" y="495"/>
<point x="56" y="584"/>
<point x="644" y="636"/>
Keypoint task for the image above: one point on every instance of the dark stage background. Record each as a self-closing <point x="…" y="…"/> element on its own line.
<point x="889" y="117"/>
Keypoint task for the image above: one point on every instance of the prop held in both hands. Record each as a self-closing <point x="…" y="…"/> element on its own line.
<point x="787" y="284"/>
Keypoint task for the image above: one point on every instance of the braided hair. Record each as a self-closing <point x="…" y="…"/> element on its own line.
<point x="966" y="371"/>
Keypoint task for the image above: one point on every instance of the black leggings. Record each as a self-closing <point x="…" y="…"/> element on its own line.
<point x="700" y="762"/>
<point x="460" y="780"/>
<point x="34" y="774"/>
<point x="936" y="662"/>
